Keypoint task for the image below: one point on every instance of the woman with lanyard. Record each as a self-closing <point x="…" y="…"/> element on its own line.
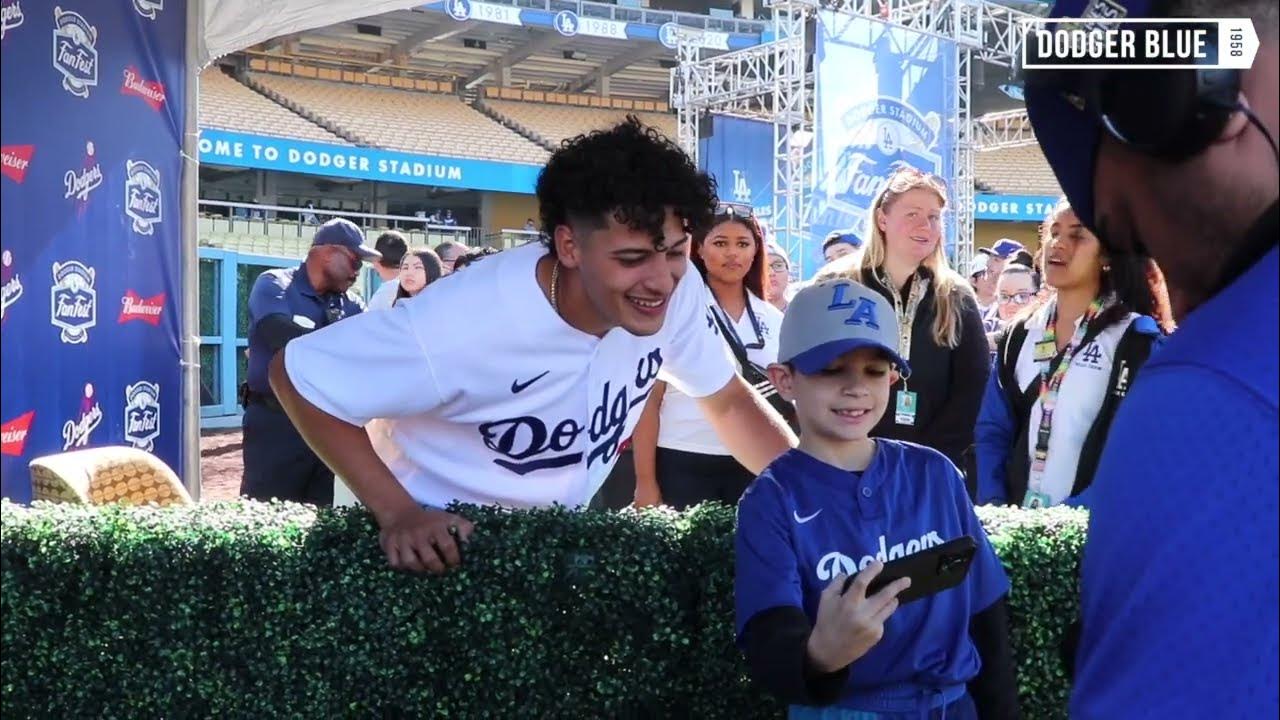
<point x="679" y="461"/>
<point x="941" y="332"/>
<point x="1063" y="367"/>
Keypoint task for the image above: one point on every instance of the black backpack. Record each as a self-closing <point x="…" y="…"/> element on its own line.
<point x="1131" y="354"/>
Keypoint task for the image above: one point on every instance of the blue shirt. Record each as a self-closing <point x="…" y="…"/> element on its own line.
<point x="288" y="292"/>
<point x="803" y="521"/>
<point x="1179" y="580"/>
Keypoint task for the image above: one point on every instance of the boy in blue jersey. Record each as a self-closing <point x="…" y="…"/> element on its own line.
<point x="844" y="504"/>
<point x="1180" y="580"/>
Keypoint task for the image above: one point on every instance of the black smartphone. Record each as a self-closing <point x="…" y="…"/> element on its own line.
<point x="939" y="568"/>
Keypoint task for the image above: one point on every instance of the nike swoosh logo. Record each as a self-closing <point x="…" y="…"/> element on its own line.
<point x="803" y="520"/>
<point x="518" y="387"/>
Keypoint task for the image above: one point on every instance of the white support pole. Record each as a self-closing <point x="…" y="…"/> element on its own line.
<point x="190" y="322"/>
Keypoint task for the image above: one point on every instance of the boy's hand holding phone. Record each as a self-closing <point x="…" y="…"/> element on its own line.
<point x="850" y="623"/>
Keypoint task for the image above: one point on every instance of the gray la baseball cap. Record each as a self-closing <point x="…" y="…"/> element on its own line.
<point x="830" y="318"/>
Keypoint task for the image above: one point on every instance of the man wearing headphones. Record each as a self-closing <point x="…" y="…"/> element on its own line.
<point x="1179" y="579"/>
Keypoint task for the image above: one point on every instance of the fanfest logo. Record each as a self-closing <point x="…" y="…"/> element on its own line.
<point x="134" y="307"/>
<point x="74" y="300"/>
<point x="142" y="414"/>
<point x="12" y="286"/>
<point x="14" y="161"/>
<point x="151" y="91"/>
<point x="75" y="433"/>
<point x="75" y="52"/>
<point x="148" y="8"/>
<point x="13" y="434"/>
<point x="11" y="17"/>
<point x="84" y="181"/>
<point x="142" y="199"/>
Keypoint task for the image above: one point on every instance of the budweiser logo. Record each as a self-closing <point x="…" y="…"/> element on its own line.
<point x="75" y="433"/>
<point x="10" y="17"/>
<point x="14" y="160"/>
<point x="13" y="434"/>
<point x="139" y="308"/>
<point x="149" y="90"/>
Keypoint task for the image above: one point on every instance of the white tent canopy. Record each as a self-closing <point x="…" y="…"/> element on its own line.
<point x="231" y="25"/>
<point x="216" y="28"/>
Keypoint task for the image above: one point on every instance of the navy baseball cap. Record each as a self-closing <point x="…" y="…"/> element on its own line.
<point x="1068" y="133"/>
<point x="339" y="231"/>
<point x="832" y="317"/>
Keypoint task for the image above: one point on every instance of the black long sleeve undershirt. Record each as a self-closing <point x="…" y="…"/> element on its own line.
<point x="776" y="642"/>
<point x="277" y="330"/>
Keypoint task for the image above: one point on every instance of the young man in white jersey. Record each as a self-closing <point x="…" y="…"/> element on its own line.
<point x="525" y="402"/>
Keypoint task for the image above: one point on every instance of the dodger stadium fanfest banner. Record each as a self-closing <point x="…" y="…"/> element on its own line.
<point x="92" y="119"/>
<point x="884" y="99"/>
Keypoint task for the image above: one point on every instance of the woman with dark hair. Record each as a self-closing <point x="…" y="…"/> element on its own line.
<point x="679" y="460"/>
<point x="1062" y="368"/>
<point x="419" y="268"/>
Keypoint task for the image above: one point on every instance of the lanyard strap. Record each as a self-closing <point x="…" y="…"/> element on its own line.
<point x="906" y="314"/>
<point x="731" y="326"/>
<point x="1052" y="373"/>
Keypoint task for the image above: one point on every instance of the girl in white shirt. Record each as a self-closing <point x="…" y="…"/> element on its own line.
<point x="1062" y="368"/>
<point x="679" y="461"/>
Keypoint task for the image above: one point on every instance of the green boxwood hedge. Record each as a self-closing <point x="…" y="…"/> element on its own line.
<point x="246" y="610"/>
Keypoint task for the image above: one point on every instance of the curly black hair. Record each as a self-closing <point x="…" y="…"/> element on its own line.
<point x="630" y="171"/>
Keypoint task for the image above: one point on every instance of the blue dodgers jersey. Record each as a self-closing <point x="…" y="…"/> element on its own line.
<point x="1179" y="581"/>
<point x="802" y="522"/>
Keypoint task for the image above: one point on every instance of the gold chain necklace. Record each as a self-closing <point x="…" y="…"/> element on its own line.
<point x="555" y="277"/>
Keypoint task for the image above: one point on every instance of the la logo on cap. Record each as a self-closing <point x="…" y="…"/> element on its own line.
<point x="863" y="307"/>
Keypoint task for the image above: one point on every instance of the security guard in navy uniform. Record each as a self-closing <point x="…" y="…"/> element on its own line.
<point x="284" y="304"/>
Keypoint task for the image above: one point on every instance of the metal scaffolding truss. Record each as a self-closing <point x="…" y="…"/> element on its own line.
<point x="1011" y="128"/>
<point x="769" y="82"/>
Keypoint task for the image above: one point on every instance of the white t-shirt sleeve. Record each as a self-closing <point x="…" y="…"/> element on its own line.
<point x="385" y="296"/>
<point x="373" y="365"/>
<point x="698" y="361"/>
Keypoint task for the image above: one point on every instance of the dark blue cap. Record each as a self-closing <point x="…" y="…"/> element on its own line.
<point x="339" y="231"/>
<point x="1068" y="134"/>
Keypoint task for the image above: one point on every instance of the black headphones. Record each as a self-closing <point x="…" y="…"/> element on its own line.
<point x="1168" y="114"/>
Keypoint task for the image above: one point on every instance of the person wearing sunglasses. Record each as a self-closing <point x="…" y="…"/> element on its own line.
<point x="1063" y="367"/>
<point x="285" y="304"/>
<point x="679" y="460"/>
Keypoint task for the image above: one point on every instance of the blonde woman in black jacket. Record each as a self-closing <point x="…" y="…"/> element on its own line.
<point x="943" y="336"/>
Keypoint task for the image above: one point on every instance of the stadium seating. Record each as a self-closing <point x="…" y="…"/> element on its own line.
<point x="226" y="104"/>
<point x="411" y="121"/>
<point x="1016" y="171"/>
<point x="554" y="123"/>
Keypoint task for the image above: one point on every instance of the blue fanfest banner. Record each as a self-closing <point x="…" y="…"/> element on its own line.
<point x="570" y="23"/>
<point x="738" y="153"/>
<point x="261" y="152"/>
<point x="92" y="120"/>
<point x="883" y="101"/>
